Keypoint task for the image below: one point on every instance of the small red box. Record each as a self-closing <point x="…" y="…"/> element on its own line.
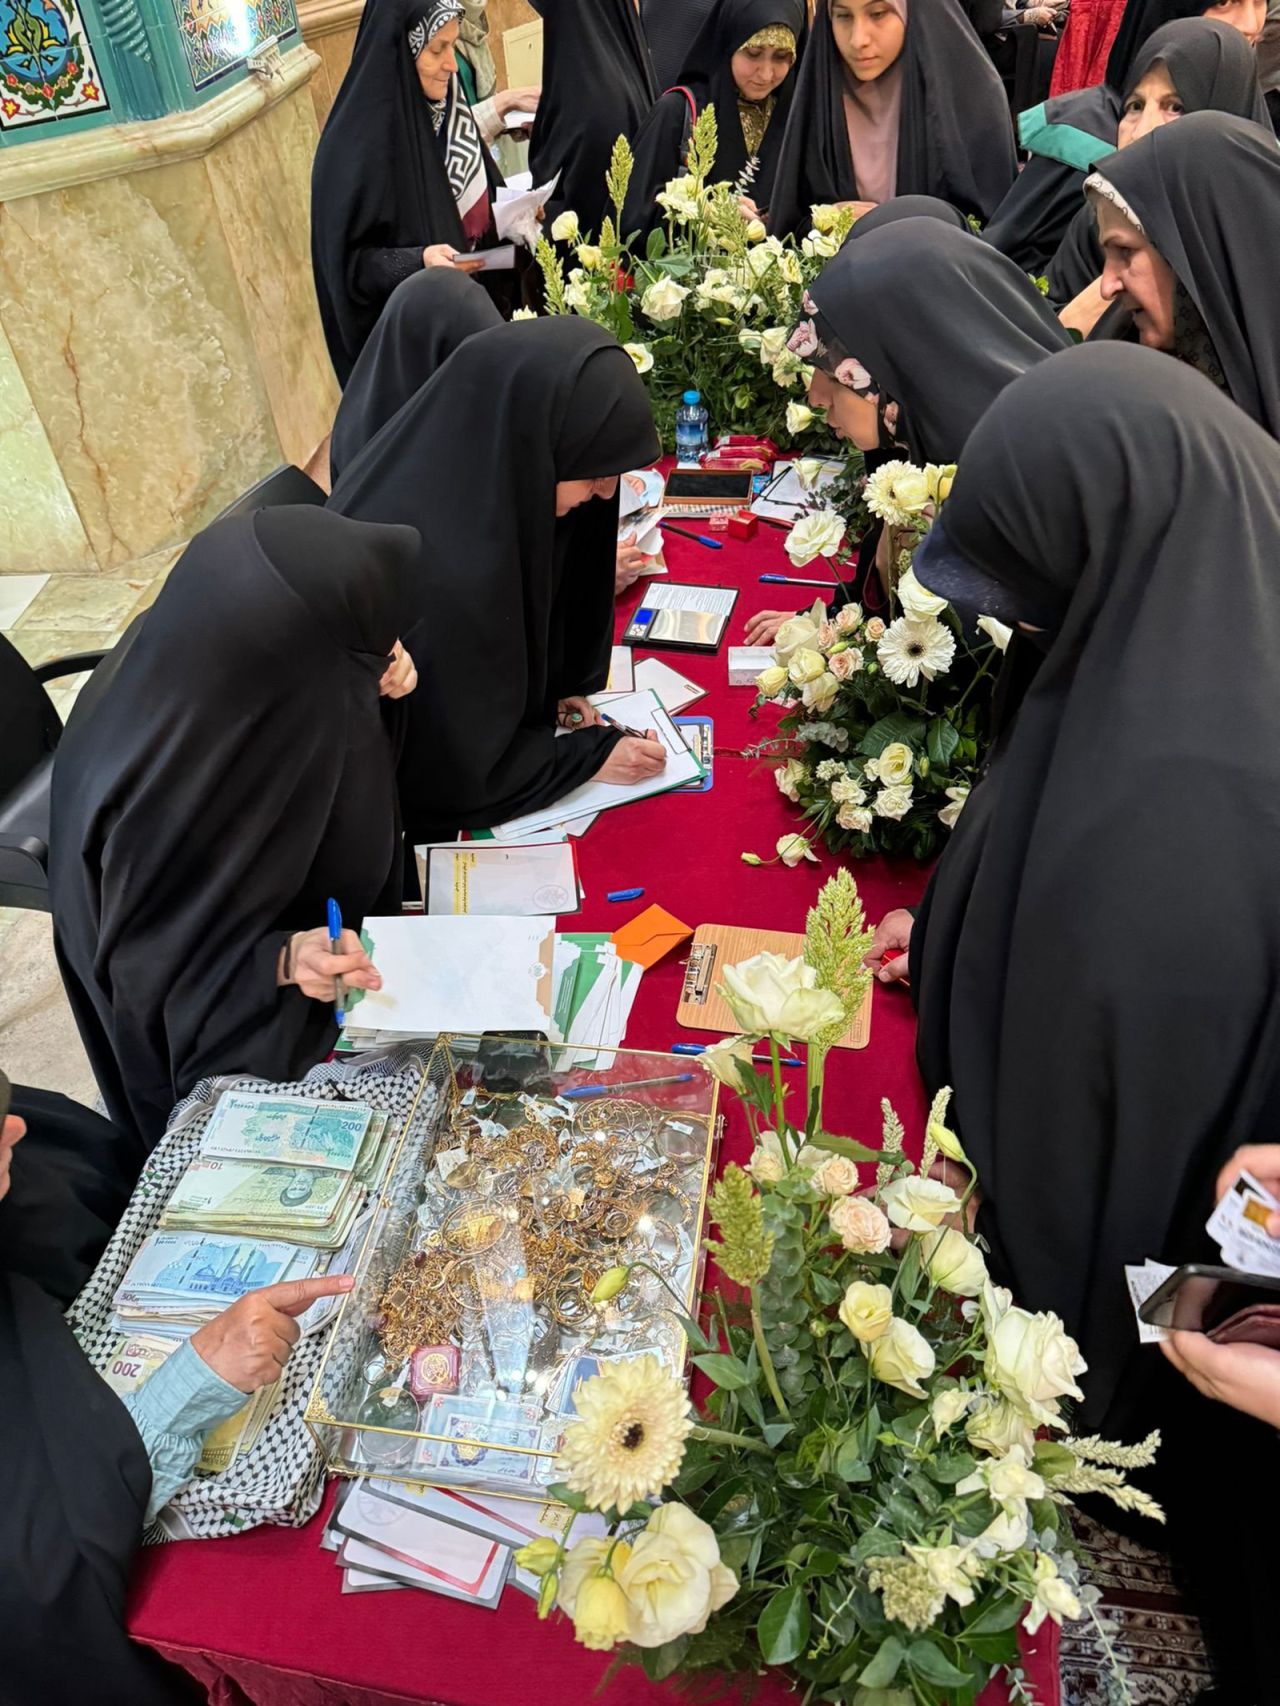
<point x="433" y="1368"/>
<point x="743" y="525"/>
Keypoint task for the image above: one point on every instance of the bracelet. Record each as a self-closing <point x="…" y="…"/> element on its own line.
<point x="288" y="958"/>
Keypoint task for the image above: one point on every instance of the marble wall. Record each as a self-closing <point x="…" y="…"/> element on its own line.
<point x="160" y="348"/>
<point x="329" y="27"/>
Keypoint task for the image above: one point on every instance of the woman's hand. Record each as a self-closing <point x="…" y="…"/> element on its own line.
<point x="576" y="713"/>
<point x="1263" y="1161"/>
<point x="631" y="564"/>
<point x="250" y="1342"/>
<point x="1247" y="1377"/>
<point x="633" y="760"/>
<point x="762" y="628"/>
<point x="859" y="207"/>
<point x="748" y="209"/>
<point x="893" y="936"/>
<point x="400" y="676"/>
<point x="314" y="968"/>
<point x="518" y="100"/>
<point x="1083" y="312"/>
<point x="445" y="255"/>
<point x="12" y="1130"/>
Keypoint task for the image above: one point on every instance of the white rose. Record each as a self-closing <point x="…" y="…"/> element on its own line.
<point x="805" y="665"/>
<point x="565" y="228"/>
<point x="755" y="231"/>
<point x="860" y="1226"/>
<point x="1053" y="1598"/>
<point x="919" y="1205"/>
<point x="1008" y="1533"/>
<point x="875" y="629"/>
<point x="663" y="300"/>
<point x="911" y="489"/>
<point x="749" y="340"/>
<point x="817" y="247"/>
<point x="789" y="266"/>
<point x="845" y="664"/>
<point x="589" y="256"/>
<point x="577" y="293"/>
<point x="788" y="778"/>
<point x="772" y="995"/>
<point x="523" y="314"/>
<point x="997" y="1427"/>
<point x="847" y="617"/>
<point x="808" y="470"/>
<point x="723" y="1059"/>
<point x="947" y="1408"/>
<point x="892" y="802"/>
<point x="773" y="342"/>
<point x="681" y="198"/>
<point x="820" y="533"/>
<point x="1033" y="1362"/>
<point x="791" y="849"/>
<point x="918" y="603"/>
<point x="584" y="1558"/>
<point x="824" y="217"/>
<point x="857" y="818"/>
<point x="795" y="632"/>
<point x="1009" y="1480"/>
<point x="952" y="1570"/>
<point x="954" y="1264"/>
<point x="837" y="1176"/>
<point x="771" y="681"/>
<point x="799" y="418"/>
<point x="949" y="814"/>
<point x="820" y="695"/>
<point x="866" y="1310"/>
<point x="765" y="1167"/>
<point x="845" y="791"/>
<point x="996" y="632"/>
<point x="895" y="763"/>
<point x="641" y="354"/>
<point x="788" y="368"/>
<point x="902" y="1357"/>
<point x="674" y="1579"/>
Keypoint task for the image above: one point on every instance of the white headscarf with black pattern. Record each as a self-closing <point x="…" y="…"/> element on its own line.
<point x="463" y="157"/>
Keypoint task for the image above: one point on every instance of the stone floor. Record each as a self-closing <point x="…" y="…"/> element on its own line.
<point x="45" y="617"/>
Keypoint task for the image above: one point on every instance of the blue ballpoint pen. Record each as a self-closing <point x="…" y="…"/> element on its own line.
<point x="797" y="580"/>
<point x="698" y="538"/>
<point x="763" y="1059"/>
<point x="335" y="941"/>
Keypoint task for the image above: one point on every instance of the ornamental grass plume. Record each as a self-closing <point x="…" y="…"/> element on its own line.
<point x="745" y="1249"/>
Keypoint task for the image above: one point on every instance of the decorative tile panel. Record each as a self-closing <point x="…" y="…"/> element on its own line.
<point x="218" y="35"/>
<point x="47" y="68"/>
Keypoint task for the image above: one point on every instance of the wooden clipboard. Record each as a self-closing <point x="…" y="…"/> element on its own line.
<point x="703" y="1008"/>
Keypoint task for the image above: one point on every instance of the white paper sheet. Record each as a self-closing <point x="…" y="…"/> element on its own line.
<point x="481" y="878"/>
<point x="499" y="259"/>
<point x="455" y="974"/>
<point x="785" y="499"/>
<point x="674" y="690"/>
<point x="714" y="600"/>
<point x="515" y="212"/>
<point x="637" y="711"/>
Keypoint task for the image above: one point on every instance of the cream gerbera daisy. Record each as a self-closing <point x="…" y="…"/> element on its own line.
<point x="909" y="650"/>
<point x="628" y="1440"/>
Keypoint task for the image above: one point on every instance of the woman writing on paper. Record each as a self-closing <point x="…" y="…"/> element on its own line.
<point x="895" y="97"/>
<point x="507" y="463"/>
<point x="237" y="773"/>
<point x="401" y="178"/>
<point x="743" y="64"/>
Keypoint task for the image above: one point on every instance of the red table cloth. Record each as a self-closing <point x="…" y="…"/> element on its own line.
<point x="259" y="1618"/>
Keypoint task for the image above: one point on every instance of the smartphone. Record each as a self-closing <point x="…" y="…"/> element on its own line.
<point x="1227" y="1306"/>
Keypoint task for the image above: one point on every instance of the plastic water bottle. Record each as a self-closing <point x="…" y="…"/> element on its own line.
<point x="691" y="431"/>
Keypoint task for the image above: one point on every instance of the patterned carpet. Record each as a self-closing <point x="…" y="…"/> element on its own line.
<point x="1154" y="1632"/>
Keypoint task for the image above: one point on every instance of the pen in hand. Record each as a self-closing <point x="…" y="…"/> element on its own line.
<point x="636" y="734"/>
<point x="335" y="947"/>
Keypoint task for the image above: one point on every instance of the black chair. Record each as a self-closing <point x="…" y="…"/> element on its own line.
<point x="33" y="728"/>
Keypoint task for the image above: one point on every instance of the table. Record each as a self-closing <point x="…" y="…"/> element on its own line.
<point x="259" y="1618"/>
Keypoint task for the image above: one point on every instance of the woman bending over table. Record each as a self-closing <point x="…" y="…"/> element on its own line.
<point x="237" y="773"/>
<point x="894" y="97"/>
<point x="507" y="463"/>
<point x="1098" y="1087"/>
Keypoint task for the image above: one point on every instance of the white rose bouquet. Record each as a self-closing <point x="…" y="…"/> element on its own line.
<point x="874" y="1495"/>
<point x="708" y="302"/>
<point x="885" y="718"/>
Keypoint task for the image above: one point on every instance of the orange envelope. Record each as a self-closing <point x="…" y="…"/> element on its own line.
<point x="649" y="936"/>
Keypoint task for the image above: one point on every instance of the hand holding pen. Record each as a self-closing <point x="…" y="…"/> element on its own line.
<point x="308" y="962"/>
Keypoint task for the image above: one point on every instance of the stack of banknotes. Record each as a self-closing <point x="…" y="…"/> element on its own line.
<point x="278" y="1192"/>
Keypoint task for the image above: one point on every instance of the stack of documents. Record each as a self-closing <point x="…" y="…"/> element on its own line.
<point x="478" y="973"/>
<point x="672" y="690"/>
<point x="506" y="881"/>
<point x="786" y="498"/>
<point x="460" y="1545"/>
<point x="183" y="1279"/>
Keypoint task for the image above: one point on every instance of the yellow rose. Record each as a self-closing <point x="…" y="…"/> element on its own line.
<point x="954" y="1264"/>
<point x="663" y="300"/>
<point x="820" y="695"/>
<point x="799" y="418"/>
<point x="797" y="631"/>
<point x="824" y="217"/>
<point x="895" y="763"/>
<point x="995" y="1426"/>
<point x="674" y="1580"/>
<point x="788" y="777"/>
<point x="859" y="1225"/>
<point x="919" y="1205"/>
<point x="866" y="1310"/>
<point x="902" y="1357"/>
<point x="585" y="1558"/>
<point x="837" y="1176"/>
<point x="723" y="1060"/>
<point x="805" y="665"/>
<point x="601" y="1617"/>
<point x="1034" y="1363"/>
<point x="771" y="681"/>
<point x="589" y="256"/>
<point x="818" y="533"/>
<point x="941" y="479"/>
<point x="947" y="1408"/>
<point x="538" y="1556"/>
<point x="755" y="231"/>
<point x="918" y="603"/>
<point x="565" y="229"/>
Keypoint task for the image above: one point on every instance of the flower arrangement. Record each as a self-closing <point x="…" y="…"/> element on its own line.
<point x="710" y="301"/>
<point x="874" y="1495"/>
<point x="885" y="721"/>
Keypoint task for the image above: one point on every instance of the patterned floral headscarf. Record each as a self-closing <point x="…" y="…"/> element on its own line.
<point x="814" y="341"/>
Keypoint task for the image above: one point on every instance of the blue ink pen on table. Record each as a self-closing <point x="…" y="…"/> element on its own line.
<point x="763" y="1059"/>
<point x="335" y="947"/>
<point x="624" y="894"/>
